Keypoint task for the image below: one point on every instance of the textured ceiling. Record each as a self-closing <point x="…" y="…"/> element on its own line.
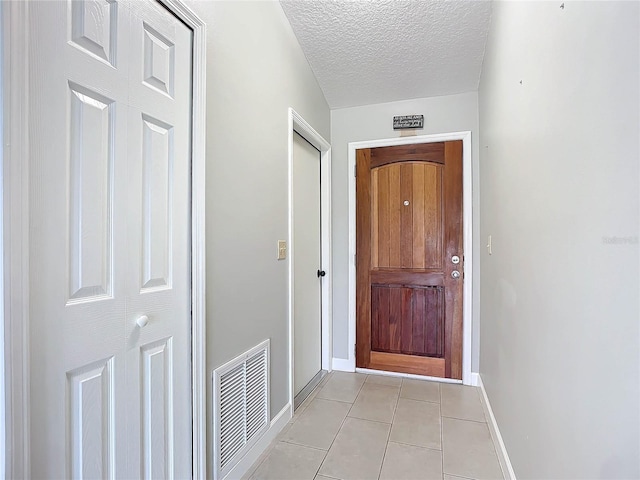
<point x="365" y="52"/>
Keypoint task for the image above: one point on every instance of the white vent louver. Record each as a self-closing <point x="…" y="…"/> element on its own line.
<point x="240" y="406"/>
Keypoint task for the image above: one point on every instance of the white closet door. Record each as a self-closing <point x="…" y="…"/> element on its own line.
<point x="158" y="272"/>
<point x="306" y="262"/>
<point x="110" y="94"/>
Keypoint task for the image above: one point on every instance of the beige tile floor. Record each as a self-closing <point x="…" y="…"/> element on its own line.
<point x="362" y="427"/>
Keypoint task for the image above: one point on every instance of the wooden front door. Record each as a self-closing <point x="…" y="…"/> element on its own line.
<point x="408" y="235"/>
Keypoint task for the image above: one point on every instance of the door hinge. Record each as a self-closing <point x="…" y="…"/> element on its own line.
<point x="355" y="258"/>
<point x="355" y="170"/>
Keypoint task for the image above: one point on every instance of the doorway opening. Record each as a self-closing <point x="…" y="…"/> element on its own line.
<point x="409" y="254"/>
<point x="466" y="272"/>
<point x="307" y="269"/>
<point x="319" y="276"/>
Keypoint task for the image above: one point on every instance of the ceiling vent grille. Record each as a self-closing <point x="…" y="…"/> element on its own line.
<point x="240" y="406"/>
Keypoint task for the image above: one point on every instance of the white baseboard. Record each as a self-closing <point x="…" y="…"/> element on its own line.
<point x="475" y="379"/>
<point x="276" y="426"/>
<point x="343" y="365"/>
<point x="501" y="450"/>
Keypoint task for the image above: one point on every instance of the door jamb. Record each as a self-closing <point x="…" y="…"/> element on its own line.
<point x="467" y="204"/>
<point x="198" y="260"/>
<point x="15" y="178"/>
<point x="297" y="123"/>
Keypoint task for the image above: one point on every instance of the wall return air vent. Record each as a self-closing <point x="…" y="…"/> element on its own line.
<point x="240" y="406"/>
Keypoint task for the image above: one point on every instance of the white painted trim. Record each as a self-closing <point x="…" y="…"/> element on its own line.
<point x="384" y="373"/>
<point x="501" y="449"/>
<point x="15" y="177"/>
<point x="342" y="365"/>
<point x="3" y="399"/>
<point x="246" y="462"/>
<point x="475" y="379"/>
<point x="16" y="238"/>
<point x="298" y="124"/>
<point x="198" y="245"/>
<point x="467" y="206"/>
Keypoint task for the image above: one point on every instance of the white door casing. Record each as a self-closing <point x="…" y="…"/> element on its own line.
<point x="110" y="156"/>
<point x="306" y="262"/>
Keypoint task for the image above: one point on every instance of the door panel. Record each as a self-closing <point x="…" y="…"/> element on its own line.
<point x="408" y="226"/>
<point x="158" y="273"/>
<point x="407" y="236"/>
<point x="407" y="320"/>
<point x="90" y="428"/>
<point x="109" y="228"/>
<point x="306" y="262"/>
<point x="76" y="189"/>
<point x="91" y="201"/>
<point x="157" y="416"/>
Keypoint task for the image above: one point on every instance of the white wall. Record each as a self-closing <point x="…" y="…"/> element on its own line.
<point x="559" y="117"/>
<point x="255" y="72"/>
<point x="452" y="113"/>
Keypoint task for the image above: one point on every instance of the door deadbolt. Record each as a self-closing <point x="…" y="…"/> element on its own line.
<point x="455" y="259"/>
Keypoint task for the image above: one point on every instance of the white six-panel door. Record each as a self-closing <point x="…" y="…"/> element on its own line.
<point x="110" y="109"/>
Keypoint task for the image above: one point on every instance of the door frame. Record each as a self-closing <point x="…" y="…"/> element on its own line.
<point x="15" y="228"/>
<point x="300" y="125"/>
<point x="467" y="204"/>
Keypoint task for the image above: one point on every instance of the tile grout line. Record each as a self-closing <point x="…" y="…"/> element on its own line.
<point x="291" y="442"/>
<point x="261" y="460"/>
<point x="332" y="400"/>
<point x="361" y="389"/>
<point x="420" y="400"/>
<point x="334" y="439"/>
<point x="369" y="420"/>
<point x="386" y="447"/>
<point x="416" y="446"/>
<point x="355" y="399"/>
<point x="336" y="478"/>
<point x="265" y="455"/>
<point x="486" y="422"/>
<point x="463" y="419"/>
<point x="338" y="432"/>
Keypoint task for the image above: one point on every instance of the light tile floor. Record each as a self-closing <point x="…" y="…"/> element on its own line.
<point x="370" y="427"/>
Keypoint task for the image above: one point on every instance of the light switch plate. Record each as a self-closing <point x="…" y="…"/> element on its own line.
<point x="282" y="249"/>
